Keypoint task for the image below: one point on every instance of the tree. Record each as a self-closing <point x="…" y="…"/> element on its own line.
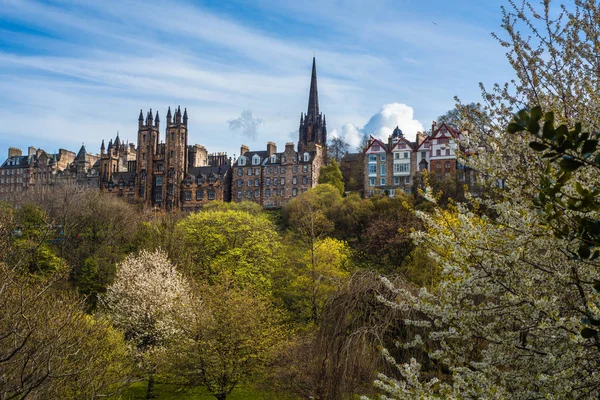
<point x="229" y="246"/>
<point x="332" y="175"/>
<point x="49" y="348"/>
<point x="229" y="339"/>
<point x="145" y="300"/>
<point x="516" y="283"/>
<point x="471" y="115"/>
<point x="337" y="147"/>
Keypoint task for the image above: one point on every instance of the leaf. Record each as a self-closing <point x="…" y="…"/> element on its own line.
<point x="597" y="285"/>
<point x="513" y="127"/>
<point x="568" y="163"/>
<point x="589" y="146"/>
<point x="537" y="146"/>
<point x="588" y="333"/>
<point x="536" y="113"/>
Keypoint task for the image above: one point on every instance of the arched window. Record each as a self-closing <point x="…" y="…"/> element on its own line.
<point x="255" y="159"/>
<point x="306" y="156"/>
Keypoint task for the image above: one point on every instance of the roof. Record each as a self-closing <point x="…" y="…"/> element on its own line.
<point x="126" y="176"/>
<point x="249" y="154"/>
<point x="350" y="157"/>
<point x="207" y="170"/>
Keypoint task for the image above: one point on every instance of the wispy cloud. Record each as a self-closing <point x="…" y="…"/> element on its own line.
<point x="245" y="124"/>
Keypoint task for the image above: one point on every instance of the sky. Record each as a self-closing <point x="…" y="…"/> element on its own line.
<point x="75" y="72"/>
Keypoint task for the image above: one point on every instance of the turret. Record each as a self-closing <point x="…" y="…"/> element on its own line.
<point x="141" y="119"/>
<point x="185" y="117"/>
<point x="157" y="120"/>
<point x="169" y="116"/>
<point x="102" y="148"/>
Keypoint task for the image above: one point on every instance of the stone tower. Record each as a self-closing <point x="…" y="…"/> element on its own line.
<point x="148" y="137"/>
<point x="176" y="156"/>
<point x="313" y="129"/>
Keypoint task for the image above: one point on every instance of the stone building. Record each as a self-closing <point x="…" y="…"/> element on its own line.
<point x="165" y="175"/>
<point x="272" y="178"/>
<point x="37" y="171"/>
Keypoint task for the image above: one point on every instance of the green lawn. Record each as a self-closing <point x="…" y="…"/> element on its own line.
<point x="137" y="391"/>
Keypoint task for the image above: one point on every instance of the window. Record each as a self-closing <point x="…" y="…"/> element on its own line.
<point x="382" y="157"/>
<point x="211" y="194"/>
<point x="159" y="180"/>
<point x="256" y="193"/>
<point x="396" y="156"/>
<point x="256" y="182"/>
<point x="249" y="182"/>
<point x="240" y="183"/>
<point x="201" y="180"/>
<point x="306" y="156"/>
<point x="382" y="169"/>
<point x="282" y="159"/>
<point x="406" y="154"/>
<point x="372" y="181"/>
<point x="242" y="160"/>
<point x="256" y="171"/>
<point x="438" y="152"/>
<point x="447" y="165"/>
<point x="407" y="179"/>
<point x="282" y="170"/>
<point x="373" y="169"/>
<point x="188" y="195"/>
<point x="170" y="189"/>
<point x="249" y="171"/>
<point x="304" y="180"/>
<point x="172" y="154"/>
<point x="268" y="170"/>
<point x="273" y="158"/>
<point x="402" y="167"/>
<point x="295" y="168"/>
<point x="200" y="194"/>
<point x="294" y="180"/>
<point x="423" y="155"/>
<point x="212" y="179"/>
<point x="143" y="156"/>
<point x="172" y="136"/>
<point x="396" y="180"/>
<point x="275" y="170"/>
<point x="382" y="181"/>
<point x="255" y="159"/>
<point x="448" y="152"/>
<point x="282" y="181"/>
<point x="294" y="192"/>
<point x="305" y="168"/>
<point x="240" y="172"/>
<point x="144" y="138"/>
<point x="239" y="195"/>
<point x="249" y="194"/>
<point x="282" y="192"/>
<point x="275" y="181"/>
<point x="268" y="193"/>
<point x="372" y="157"/>
<point x="268" y="182"/>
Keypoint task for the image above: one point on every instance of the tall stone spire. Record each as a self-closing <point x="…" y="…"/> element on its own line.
<point x="313" y="97"/>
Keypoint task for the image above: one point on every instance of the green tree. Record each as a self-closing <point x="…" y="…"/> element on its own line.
<point x="332" y="175"/>
<point x="229" y="246"/>
<point x="228" y="341"/>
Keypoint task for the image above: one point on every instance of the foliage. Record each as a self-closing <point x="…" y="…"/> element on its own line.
<point x="146" y="297"/>
<point x="49" y="348"/>
<point x="229" y="246"/>
<point x="229" y="338"/>
<point x="516" y="283"/>
<point x="332" y="175"/>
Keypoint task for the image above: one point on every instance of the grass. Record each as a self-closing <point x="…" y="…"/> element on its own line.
<point x="165" y="391"/>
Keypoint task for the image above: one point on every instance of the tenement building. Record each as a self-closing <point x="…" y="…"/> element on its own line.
<point x="272" y="178"/>
<point x="165" y="175"/>
<point x="391" y="167"/>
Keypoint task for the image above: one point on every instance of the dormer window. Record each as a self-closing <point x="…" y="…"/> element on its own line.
<point x="273" y="158"/>
<point x="242" y="160"/>
<point x="255" y="159"/>
<point x="306" y="156"/>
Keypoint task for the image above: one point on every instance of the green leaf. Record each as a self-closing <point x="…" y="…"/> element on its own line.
<point x="597" y="285"/>
<point x="537" y="146"/>
<point x="588" y="333"/>
<point x="536" y="113"/>
<point x="584" y="252"/>
<point x="568" y="163"/>
<point x="589" y="146"/>
<point x="513" y="127"/>
<point x="597" y="159"/>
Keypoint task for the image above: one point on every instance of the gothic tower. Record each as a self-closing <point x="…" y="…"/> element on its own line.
<point x="176" y="156"/>
<point x="148" y="137"/>
<point x="313" y="129"/>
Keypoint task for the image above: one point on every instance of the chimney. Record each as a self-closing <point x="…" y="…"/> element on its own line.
<point x="271" y="148"/>
<point x="30" y="151"/>
<point x="14" y="152"/>
<point x="244" y="149"/>
<point x="420" y="138"/>
<point x="433" y="125"/>
<point x="289" y="147"/>
<point x="390" y="143"/>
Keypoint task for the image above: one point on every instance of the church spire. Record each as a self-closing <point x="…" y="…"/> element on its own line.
<point x="313" y="97"/>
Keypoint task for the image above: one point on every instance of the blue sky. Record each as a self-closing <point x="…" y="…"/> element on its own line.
<point x="78" y="71"/>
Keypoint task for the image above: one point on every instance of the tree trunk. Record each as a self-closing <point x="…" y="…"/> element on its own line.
<point x="221" y="396"/>
<point x="150" y="389"/>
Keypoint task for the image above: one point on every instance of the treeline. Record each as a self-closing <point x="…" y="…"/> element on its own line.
<point x="98" y="294"/>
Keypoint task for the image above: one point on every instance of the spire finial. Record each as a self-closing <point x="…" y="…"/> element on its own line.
<point x="313" y="97"/>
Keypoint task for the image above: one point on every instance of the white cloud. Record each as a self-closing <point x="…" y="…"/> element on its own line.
<point x="246" y="124"/>
<point x="381" y="125"/>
